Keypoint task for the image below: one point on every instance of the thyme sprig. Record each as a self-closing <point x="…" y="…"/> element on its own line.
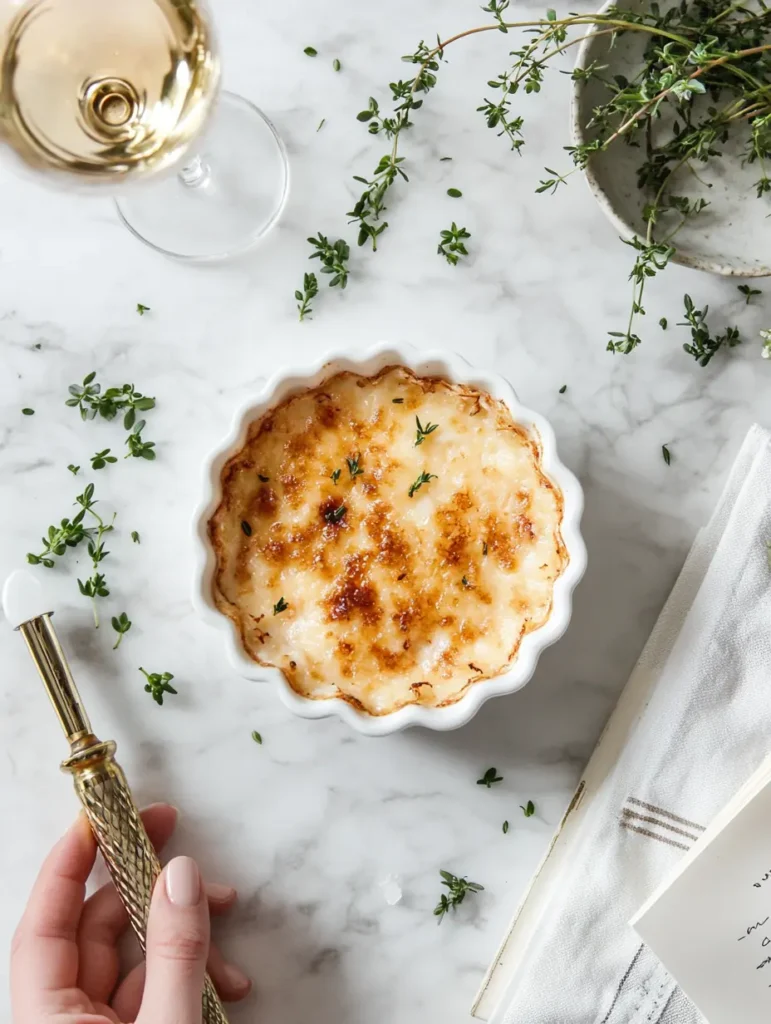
<point x="706" y="66"/>
<point x="96" y="585"/>
<point x="458" y="888"/>
<point x="334" y="258"/>
<point x="158" y="684"/>
<point x="423" y="478"/>
<point x="452" y="244"/>
<point x="423" y="431"/>
<point x="703" y="344"/>
<point x="89" y="398"/>
<point x="121" y="624"/>
<point x="309" y="291"/>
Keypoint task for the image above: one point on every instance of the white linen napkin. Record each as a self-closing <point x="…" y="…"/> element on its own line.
<point x="703" y="726"/>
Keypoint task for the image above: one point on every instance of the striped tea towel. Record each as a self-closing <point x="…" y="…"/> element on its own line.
<point x="702" y="726"/>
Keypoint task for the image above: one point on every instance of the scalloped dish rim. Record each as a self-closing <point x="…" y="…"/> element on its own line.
<point x="456" y="369"/>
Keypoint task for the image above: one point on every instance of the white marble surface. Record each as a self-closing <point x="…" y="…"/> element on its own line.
<point x="309" y="823"/>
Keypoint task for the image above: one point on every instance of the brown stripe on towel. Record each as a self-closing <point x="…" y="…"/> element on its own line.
<point x="661" y="824"/>
<point x="652" y="835"/>
<point x="666" y="814"/>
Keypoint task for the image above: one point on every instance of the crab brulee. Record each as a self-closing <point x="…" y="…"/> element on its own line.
<point x="387" y="540"/>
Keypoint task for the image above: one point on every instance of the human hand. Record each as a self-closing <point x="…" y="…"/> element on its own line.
<point x="64" y="956"/>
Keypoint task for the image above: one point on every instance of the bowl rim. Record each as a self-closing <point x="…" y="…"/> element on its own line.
<point x="578" y="137"/>
<point x="456" y="369"/>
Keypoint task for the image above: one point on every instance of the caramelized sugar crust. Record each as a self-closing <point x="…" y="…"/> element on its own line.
<point x="390" y="599"/>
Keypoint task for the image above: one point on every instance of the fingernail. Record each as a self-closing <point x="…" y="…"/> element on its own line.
<point x="183" y="882"/>
<point x="220" y="893"/>
<point x="235" y="978"/>
<point x="164" y="805"/>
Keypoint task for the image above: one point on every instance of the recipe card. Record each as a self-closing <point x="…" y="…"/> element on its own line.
<point x="710" y="924"/>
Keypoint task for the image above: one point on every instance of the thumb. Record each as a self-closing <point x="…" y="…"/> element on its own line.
<point x="177" y="947"/>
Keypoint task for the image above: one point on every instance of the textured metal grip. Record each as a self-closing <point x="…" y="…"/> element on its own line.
<point x="124" y="843"/>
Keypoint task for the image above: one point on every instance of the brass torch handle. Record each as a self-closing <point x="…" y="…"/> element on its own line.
<point x="123" y="841"/>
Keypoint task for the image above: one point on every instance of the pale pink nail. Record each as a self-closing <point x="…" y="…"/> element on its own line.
<point x="219" y="893"/>
<point x="183" y="882"/>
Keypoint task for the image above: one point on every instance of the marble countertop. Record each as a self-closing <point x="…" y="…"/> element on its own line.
<point x="310" y="823"/>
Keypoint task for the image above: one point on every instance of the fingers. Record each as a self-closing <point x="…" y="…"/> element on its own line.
<point x="231" y="984"/>
<point x="44" y="957"/>
<point x="177" y="946"/>
<point x="229" y="980"/>
<point x="103" y="922"/>
<point x="104" y="918"/>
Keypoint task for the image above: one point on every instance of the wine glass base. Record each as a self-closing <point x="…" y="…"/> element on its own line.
<point x="226" y="197"/>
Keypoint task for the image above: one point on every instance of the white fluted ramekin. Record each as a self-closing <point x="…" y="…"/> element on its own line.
<point x="455" y="369"/>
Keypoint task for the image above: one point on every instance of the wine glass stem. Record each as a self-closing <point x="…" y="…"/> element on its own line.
<point x="195" y="174"/>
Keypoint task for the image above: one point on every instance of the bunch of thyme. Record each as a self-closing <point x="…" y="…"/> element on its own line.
<point x="705" y="77"/>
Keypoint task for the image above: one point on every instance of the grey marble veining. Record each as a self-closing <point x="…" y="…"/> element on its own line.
<point x="308" y="824"/>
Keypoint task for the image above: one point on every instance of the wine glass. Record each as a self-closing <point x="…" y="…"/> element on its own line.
<point x="113" y="94"/>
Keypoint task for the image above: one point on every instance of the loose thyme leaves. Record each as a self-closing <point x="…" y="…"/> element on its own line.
<point x="457" y="889"/>
<point x="406" y="95"/>
<point x="256" y="737"/>
<point x="465" y="583"/>
<point x="484" y="548"/>
<point x="28" y="412"/>
<point x="397" y="401"/>
<point x="334" y="259"/>
<point x="336" y="65"/>
<point x="721" y="41"/>
<point x="91" y="401"/>
<point x="454" y="193"/>
<point x="748" y="292"/>
<point x="137" y="448"/>
<point x="310" y="51"/>
<point x="424" y="478"/>
<point x="442" y="159"/>
<point x="73" y="469"/>
<point x="322" y="122"/>
<point x="135" y="536"/>
<point x="335" y="474"/>
<point x="264" y="479"/>
<point x="703" y="345"/>
<point x="158" y="684"/>
<point x="423" y="432"/>
<point x="142" y="309"/>
<point x="246" y="528"/>
<point x="121" y="624"/>
<point x="551" y="185"/>
<point x="505" y="827"/>
<point x="354" y="468"/>
<point x="310" y="291"/>
<point x="563" y="389"/>
<point x="101" y="459"/>
<point x="96" y="585"/>
<point x="663" y="323"/>
<point x="280" y="606"/>
<point x="489" y="778"/>
<point x="452" y="244"/>
<point x="334" y="515"/>
<point x="666" y="453"/>
<point x="528" y="810"/>
<point x="69" y="534"/>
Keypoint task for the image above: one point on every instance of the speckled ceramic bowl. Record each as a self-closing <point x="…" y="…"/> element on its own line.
<point x="732" y="236"/>
<point x="452" y="368"/>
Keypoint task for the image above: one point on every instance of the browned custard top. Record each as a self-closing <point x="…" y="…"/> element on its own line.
<point x="382" y="560"/>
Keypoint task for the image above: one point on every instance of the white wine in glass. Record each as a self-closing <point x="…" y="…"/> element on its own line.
<point x="111" y="92"/>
